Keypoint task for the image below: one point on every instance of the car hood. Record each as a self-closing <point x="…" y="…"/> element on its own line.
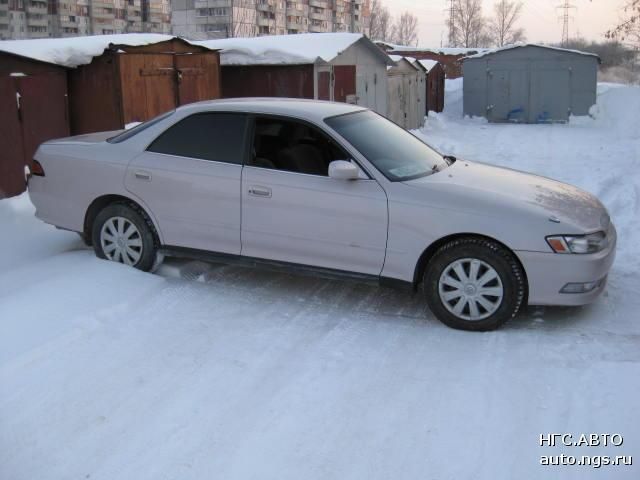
<point x="87" y="139"/>
<point x="560" y="202"/>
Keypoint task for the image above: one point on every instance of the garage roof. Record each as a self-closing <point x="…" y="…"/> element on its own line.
<point x="75" y="51"/>
<point x="296" y="49"/>
<point x="492" y="51"/>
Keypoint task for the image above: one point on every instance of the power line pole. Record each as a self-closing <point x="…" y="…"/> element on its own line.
<point x="452" y="23"/>
<point x="565" y="8"/>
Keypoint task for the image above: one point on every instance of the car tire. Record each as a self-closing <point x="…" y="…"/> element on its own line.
<point x="474" y="284"/>
<point x="123" y="233"/>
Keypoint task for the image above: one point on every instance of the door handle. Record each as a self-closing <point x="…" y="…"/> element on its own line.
<point x="142" y="175"/>
<point x="256" y="191"/>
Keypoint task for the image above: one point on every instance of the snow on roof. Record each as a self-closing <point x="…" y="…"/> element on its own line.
<point x="76" y="51"/>
<point x="397" y="58"/>
<point x="285" y="49"/>
<point x="491" y="51"/>
<point x="428" y="64"/>
<point x="437" y="50"/>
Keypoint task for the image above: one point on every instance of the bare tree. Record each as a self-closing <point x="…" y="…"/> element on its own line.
<point x="628" y="29"/>
<point x="380" y="23"/>
<point x="470" y="27"/>
<point x="503" y="24"/>
<point x="405" y="30"/>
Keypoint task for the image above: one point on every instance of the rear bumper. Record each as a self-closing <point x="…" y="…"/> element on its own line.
<point x="548" y="273"/>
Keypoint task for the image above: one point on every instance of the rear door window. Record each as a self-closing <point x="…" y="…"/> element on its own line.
<point x="219" y="137"/>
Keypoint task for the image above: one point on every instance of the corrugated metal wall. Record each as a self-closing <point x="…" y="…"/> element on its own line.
<point x="294" y="81"/>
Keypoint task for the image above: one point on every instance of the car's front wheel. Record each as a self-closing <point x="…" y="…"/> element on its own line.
<point x="474" y="284"/>
<point x="123" y="234"/>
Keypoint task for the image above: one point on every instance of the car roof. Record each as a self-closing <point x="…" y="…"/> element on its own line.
<point x="315" y="110"/>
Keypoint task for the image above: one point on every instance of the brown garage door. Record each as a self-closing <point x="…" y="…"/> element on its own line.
<point x="33" y="110"/>
<point x="44" y="110"/>
<point x="11" y="166"/>
<point x="197" y="75"/>
<point x="344" y="83"/>
<point x="148" y="85"/>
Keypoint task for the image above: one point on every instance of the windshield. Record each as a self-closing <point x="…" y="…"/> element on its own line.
<point x="127" y="134"/>
<point x="391" y="149"/>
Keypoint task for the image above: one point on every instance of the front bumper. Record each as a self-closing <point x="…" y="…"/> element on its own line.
<point x="547" y="273"/>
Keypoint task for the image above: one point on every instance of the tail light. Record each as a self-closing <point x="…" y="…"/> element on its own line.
<point x="37" y="169"/>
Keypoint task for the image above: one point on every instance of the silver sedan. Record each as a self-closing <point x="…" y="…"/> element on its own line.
<point x="331" y="189"/>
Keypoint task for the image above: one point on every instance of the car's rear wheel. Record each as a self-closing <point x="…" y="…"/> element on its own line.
<point x="474" y="284"/>
<point x="123" y="234"/>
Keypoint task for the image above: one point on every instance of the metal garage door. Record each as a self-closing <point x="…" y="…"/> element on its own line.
<point x="508" y="96"/>
<point x="550" y="95"/>
<point x="34" y="109"/>
<point x="396" y="101"/>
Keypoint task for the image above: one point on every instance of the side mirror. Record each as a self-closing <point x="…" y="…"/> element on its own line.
<point x="343" y="170"/>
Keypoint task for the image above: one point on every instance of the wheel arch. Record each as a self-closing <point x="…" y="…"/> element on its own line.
<point x="430" y="251"/>
<point x="101" y="202"/>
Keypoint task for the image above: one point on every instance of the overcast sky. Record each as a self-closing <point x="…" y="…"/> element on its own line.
<point x="539" y="18"/>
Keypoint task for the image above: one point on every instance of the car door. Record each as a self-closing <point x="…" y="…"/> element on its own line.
<point x="189" y="177"/>
<point x="292" y="211"/>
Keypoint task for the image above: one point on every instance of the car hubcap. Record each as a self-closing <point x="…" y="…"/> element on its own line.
<point x="470" y="289"/>
<point x="121" y="241"/>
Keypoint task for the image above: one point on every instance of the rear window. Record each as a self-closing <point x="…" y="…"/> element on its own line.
<point x="127" y="134"/>
<point x="215" y="136"/>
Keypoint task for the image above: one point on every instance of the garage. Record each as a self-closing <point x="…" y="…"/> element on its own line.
<point x="339" y="67"/>
<point x="403" y="93"/>
<point x="33" y="108"/>
<point x="529" y="84"/>
<point x="138" y="82"/>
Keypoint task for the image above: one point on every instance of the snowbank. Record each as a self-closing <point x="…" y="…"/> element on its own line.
<point x="76" y="51"/>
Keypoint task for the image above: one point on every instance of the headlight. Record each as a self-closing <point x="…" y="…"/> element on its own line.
<point x="591" y="243"/>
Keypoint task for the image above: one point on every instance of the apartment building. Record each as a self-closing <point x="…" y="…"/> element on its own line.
<point x="65" y="18"/>
<point x="205" y="19"/>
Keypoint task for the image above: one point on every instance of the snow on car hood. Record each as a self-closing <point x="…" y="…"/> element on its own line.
<point x="568" y="204"/>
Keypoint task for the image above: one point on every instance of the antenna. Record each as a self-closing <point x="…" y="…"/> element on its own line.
<point x="565" y="8"/>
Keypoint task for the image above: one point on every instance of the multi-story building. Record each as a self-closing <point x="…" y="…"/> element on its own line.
<point x="204" y="19"/>
<point x="64" y="18"/>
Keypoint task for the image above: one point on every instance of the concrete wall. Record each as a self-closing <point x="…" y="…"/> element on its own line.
<point x="530" y="85"/>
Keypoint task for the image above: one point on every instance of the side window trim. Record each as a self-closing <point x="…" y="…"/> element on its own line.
<point x="251" y="139"/>
<point x="245" y="150"/>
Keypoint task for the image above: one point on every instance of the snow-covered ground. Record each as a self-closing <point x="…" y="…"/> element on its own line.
<point x="208" y="371"/>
